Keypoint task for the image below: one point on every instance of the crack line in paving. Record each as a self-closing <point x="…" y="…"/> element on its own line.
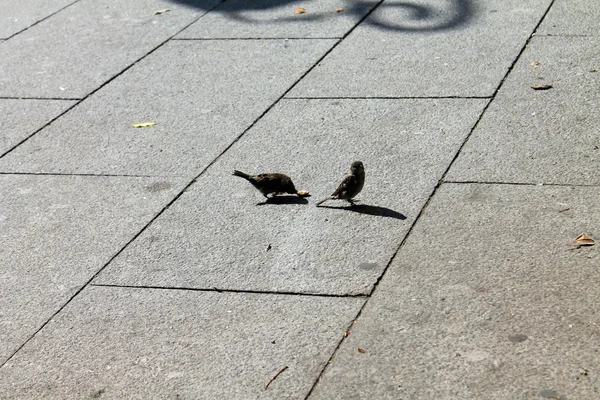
<point x="521" y="183"/>
<point x="217" y="290"/>
<point x="109" y="80"/>
<point x="418" y="217"/>
<point x="43" y="19"/>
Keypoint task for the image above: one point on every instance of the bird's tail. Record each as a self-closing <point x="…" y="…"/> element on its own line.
<point x="242" y="175"/>
<point x="324" y="200"/>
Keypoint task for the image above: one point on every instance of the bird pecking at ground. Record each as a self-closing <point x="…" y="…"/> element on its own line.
<point x="272" y="183"/>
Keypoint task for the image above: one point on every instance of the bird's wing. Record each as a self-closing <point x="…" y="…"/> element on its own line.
<point x="264" y="178"/>
<point x="349" y="181"/>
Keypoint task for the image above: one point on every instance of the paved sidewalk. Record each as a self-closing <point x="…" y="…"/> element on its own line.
<point x="134" y="265"/>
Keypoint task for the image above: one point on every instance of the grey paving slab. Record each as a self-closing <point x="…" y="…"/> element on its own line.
<point x="572" y="17"/>
<point x="201" y="94"/>
<point x="21" y="118"/>
<point x="137" y="344"/>
<point x="218" y="234"/>
<point x="427" y="48"/>
<point x="56" y="233"/>
<point x="548" y="136"/>
<point x="277" y="19"/>
<point x="18" y="15"/>
<point x="487" y="299"/>
<point x="78" y="49"/>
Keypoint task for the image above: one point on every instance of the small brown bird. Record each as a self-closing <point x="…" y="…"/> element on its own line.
<point x="351" y="185"/>
<point x="272" y="183"/>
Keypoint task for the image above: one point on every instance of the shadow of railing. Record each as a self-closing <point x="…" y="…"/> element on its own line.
<point x="407" y="16"/>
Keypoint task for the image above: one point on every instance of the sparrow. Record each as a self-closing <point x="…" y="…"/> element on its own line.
<point x="272" y="183"/>
<point x="351" y="185"/>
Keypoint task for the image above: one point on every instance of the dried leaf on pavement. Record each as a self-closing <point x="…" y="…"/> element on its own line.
<point x="162" y="11"/>
<point x="541" y="87"/>
<point x="535" y="63"/>
<point x="299" y="10"/>
<point x="339" y="10"/>
<point x="584" y="240"/>
<point x="361" y="350"/>
<point x="144" y="124"/>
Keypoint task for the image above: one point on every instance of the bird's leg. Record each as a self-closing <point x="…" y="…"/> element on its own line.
<point x="353" y="202"/>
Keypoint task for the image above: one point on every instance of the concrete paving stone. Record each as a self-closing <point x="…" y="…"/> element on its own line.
<point x="18" y="15"/>
<point x="427" y="48"/>
<point x="487" y="299"/>
<point x="21" y="118"/>
<point x="572" y="17"/>
<point x="78" y="49"/>
<point x="276" y="19"/>
<point x="56" y="233"/>
<point x="218" y="234"/>
<point x="201" y="94"/>
<point x="548" y="136"/>
<point x="118" y="343"/>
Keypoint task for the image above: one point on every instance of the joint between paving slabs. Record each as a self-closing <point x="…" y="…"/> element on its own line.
<point x="259" y="38"/>
<point x="424" y="208"/>
<point x="43" y="19"/>
<point x="236" y="291"/>
<point x="390" y="98"/>
<point x="42" y="98"/>
<point x="347" y="333"/>
<point x="520" y="183"/>
<point x="81" y="174"/>
<point x="550" y="35"/>
<point x="109" y="80"/>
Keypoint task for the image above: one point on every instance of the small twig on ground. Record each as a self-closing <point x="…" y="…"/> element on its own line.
<point x="276" y="375"/>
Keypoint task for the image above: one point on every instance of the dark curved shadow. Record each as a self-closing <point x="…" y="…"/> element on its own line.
<point x="284" y="200"/>
<point x="371" y="210"/>
<point x="426" y="19"/>
<point x="420" y="17"/>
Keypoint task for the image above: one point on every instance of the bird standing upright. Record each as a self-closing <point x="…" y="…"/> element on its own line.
<point x="351" y="185"/>
<point x="272" y="183"/>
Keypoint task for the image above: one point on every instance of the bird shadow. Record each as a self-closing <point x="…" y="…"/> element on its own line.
<point x="371" y="210"/>
<point x="283" y="200"/>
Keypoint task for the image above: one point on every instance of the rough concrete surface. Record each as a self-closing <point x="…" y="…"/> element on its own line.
<point x="449" y="48"/>
<point x="18" y="15"/>
<point x="123" y="343"/>
<point x="200" y="94"/>
<point x="115" y="282"/>
<point x="572" y="17"/>
<point x="487" y="299"/>
<point x="279" y="19"/>
<point x="56" y="233"/>
<point x="76" y="50"/>
<point x="217" y="236"/>
<point x="541" y="136"/>
<point x="21" y="118"/>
